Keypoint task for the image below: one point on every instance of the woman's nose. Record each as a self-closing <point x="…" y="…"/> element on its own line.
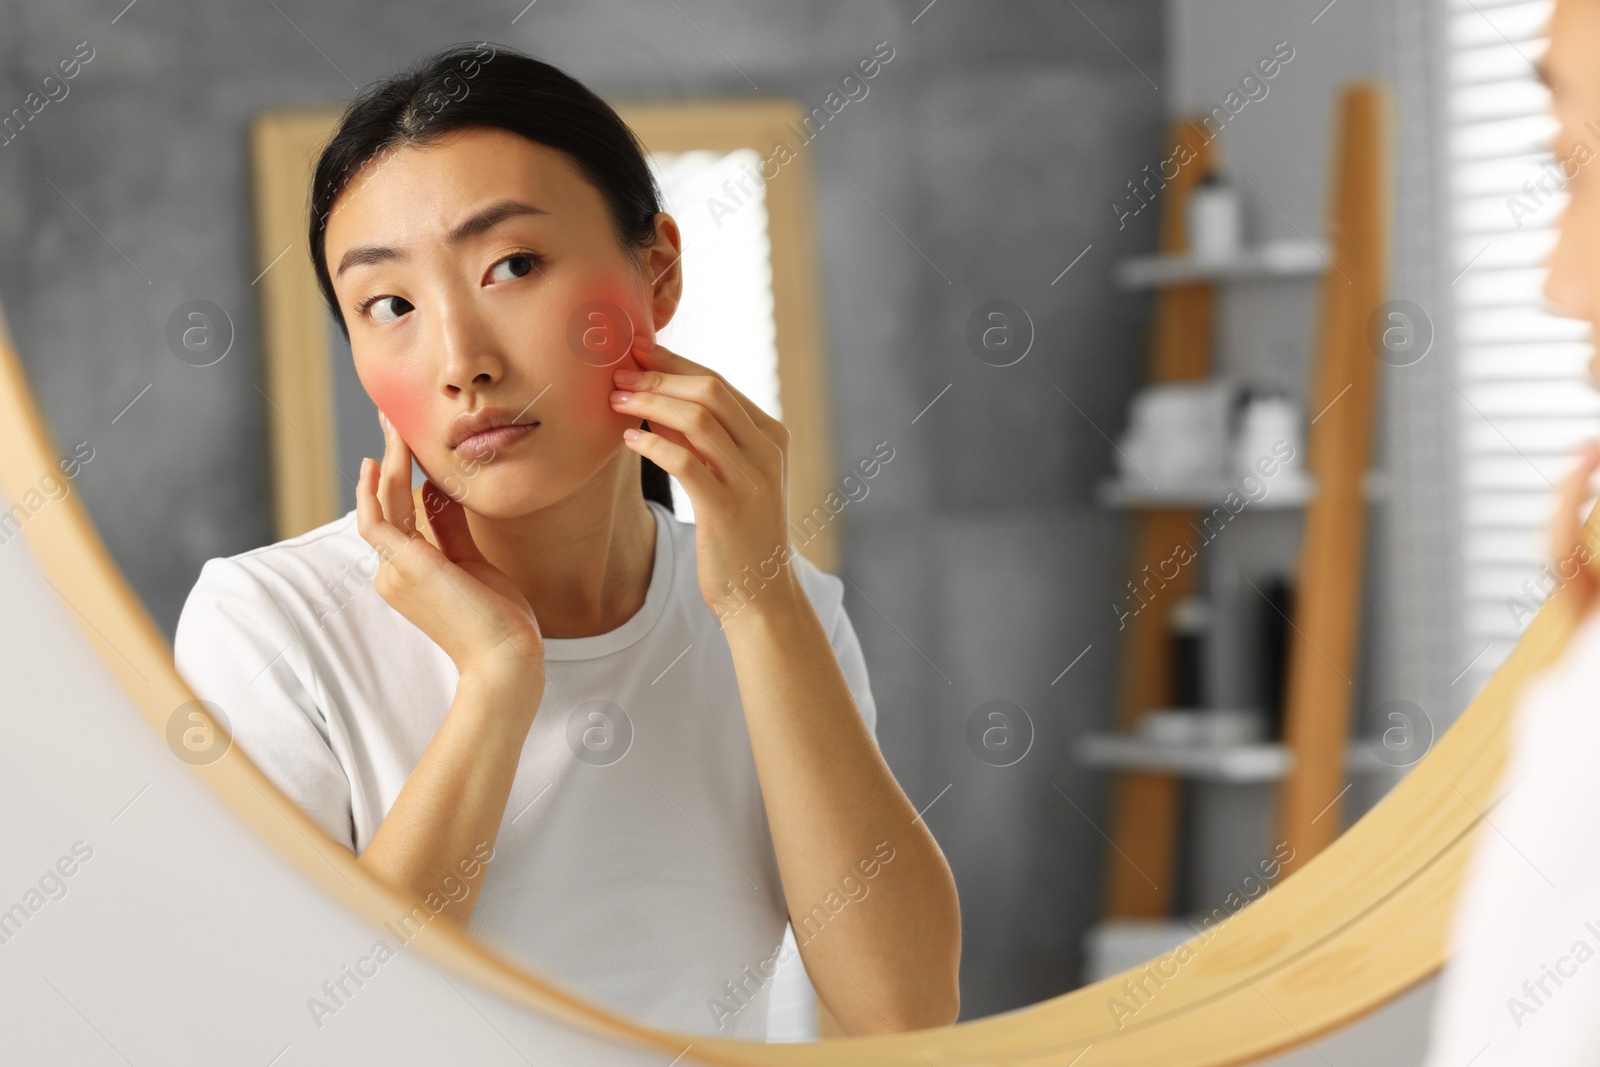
<point x="471" y="356"/>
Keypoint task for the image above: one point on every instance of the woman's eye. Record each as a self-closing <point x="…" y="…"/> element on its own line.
<point x="520" y="266"/>
<point x="376" y="304"/>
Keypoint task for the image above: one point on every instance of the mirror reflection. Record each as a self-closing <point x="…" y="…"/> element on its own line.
<point x="800" y="526"/>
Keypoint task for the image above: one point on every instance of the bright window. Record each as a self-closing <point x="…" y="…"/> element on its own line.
<point x="725" y="318"/>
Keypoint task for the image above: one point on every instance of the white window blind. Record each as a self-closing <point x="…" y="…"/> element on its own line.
<point x="1521" y="371"/>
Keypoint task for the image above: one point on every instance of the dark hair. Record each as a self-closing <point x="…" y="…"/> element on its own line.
<point x="488" y="85"/>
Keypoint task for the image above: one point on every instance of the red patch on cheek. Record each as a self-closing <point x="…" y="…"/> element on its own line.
<point x="405" y="400"/>
<point x="610" y="313"/>
<point x="629" y="303"/>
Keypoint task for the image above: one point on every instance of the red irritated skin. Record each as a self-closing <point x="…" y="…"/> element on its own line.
<point x="447" y="327"/>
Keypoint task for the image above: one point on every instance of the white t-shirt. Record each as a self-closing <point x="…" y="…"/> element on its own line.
<point x="634" y="863"/>
<point x="1522" y="985"/>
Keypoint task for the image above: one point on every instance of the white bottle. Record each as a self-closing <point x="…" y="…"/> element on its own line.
<point x="1212" y="220"/>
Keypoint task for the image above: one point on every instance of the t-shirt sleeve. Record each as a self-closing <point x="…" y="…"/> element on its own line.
<point x="827" y="598"/>
<point x="236" y="649"/>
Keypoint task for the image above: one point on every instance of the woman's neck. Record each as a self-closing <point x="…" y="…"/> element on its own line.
<point x="585" y="562"/>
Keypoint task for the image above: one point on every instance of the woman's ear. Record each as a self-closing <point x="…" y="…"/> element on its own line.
<point x="663" y="264"/>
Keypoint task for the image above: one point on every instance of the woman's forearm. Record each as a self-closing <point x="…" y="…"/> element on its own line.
<point x="890" y="959"/>
<point x="452" y="804"/>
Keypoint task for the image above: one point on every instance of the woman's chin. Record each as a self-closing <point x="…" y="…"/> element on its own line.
<point x="511" y="489"/>
<point x="506" y="506"/>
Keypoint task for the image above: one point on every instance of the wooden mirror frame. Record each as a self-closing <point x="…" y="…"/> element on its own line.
<point x="1364" y="921"/>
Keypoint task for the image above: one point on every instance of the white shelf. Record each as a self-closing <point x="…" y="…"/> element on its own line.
<point x="1260" y="762"/>
<point x="1256" y="762"/>
<point x="1275" y="259"/>
<point x="1281" y="493"/>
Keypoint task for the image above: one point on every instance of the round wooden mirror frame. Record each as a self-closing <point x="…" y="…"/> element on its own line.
<point x="1362" y="922"/>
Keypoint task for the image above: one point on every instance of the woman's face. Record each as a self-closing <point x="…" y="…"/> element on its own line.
<point x="530" y="312"/>
<point x="1573" y="281"/>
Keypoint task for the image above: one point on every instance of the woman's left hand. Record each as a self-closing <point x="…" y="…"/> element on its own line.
<point x="732" y="459"/>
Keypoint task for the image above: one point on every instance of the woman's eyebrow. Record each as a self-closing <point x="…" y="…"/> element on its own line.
<point x="477" y="223"/>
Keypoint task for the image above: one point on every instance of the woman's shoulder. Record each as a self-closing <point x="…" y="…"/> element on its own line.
<point x="295" y="572"/>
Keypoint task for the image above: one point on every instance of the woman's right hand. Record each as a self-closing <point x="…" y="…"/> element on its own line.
<point x="469" y="607"/>
<point x="1574" y="561"/>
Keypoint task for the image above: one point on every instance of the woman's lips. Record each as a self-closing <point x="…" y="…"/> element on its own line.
<point x="488" y="442"/>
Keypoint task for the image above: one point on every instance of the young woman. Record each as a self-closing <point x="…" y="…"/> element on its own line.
<point x="659" y="736"/>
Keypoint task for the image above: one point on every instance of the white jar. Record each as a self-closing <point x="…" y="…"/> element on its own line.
<point x="1267" y="424"/>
